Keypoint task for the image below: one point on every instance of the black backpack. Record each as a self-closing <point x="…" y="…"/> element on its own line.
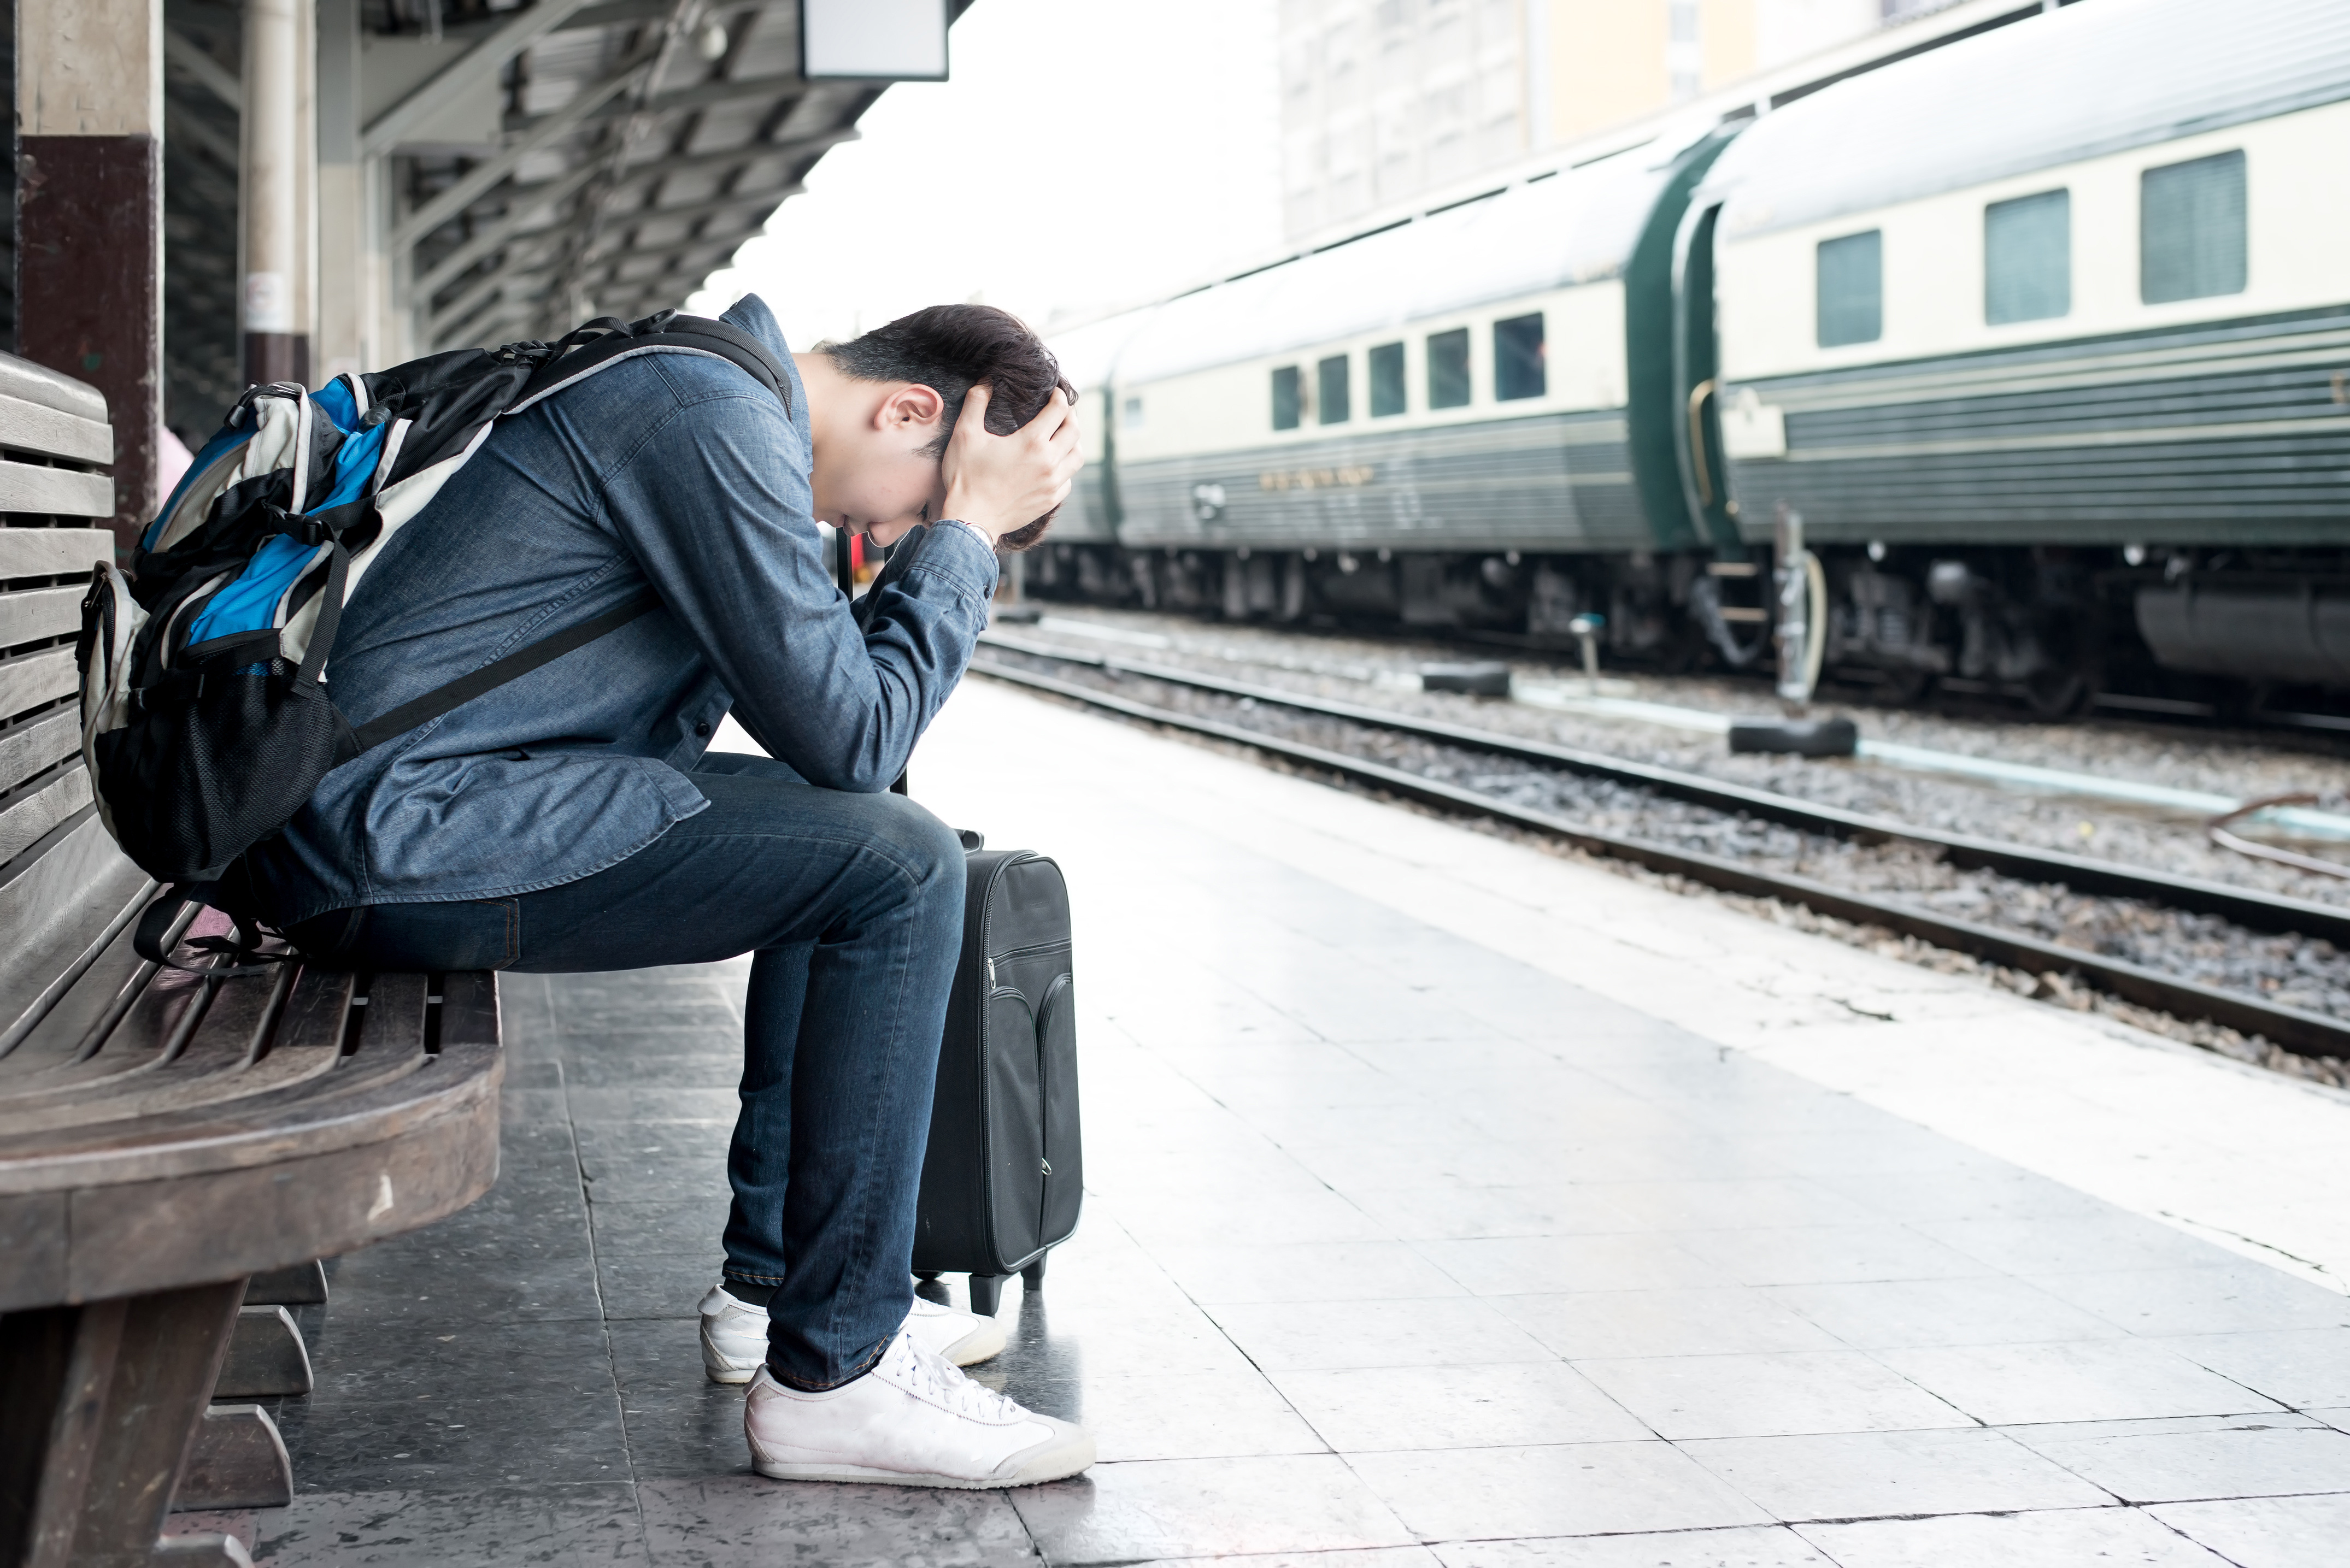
<point x="206" y="720"/>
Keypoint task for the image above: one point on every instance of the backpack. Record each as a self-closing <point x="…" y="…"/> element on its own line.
<point x="206" y="722"/>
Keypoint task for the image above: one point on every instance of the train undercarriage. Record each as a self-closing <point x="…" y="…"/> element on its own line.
<point x="2214" y="634"/>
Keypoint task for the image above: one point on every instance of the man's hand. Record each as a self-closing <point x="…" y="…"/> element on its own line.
<point x="998" y="483"/>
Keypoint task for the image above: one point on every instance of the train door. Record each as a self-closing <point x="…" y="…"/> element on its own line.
<point x="1697" y="457"/>
<point x="1655" y="330"/>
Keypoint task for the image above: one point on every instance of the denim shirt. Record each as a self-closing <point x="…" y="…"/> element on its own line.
<point x="674" y="470"/>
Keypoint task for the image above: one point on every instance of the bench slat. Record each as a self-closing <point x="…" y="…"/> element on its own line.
<point x="136" y="1072"/>
<point x="395" y="1014"/>
<point x="316" y="1013"/>
<point x="321" y="1113"/>
<point x="23" y="823"/>
<point x="85" y="1014"/>
<point x="52" y="432"/>
<point x="37" y="384"/>
<point x="53" y="552"/>
<point x="38" y="746"/>
<point x="151" y="1033"/>
<point x="223" y="1060"/>
<point x="469" y="1008"/>
<point x="30" y="614"/>
<point x="56" y="916"/>
<point x="36" y="678"/>
<point x="55" y="492"/>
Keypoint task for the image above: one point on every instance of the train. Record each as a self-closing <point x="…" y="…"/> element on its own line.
<point x="2042" y="335"/>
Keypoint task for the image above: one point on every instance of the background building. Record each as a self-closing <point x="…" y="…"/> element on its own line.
<point x="1384" y="99"/>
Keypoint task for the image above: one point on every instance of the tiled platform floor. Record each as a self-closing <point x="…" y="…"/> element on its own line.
<point x="1398" y="1250"/>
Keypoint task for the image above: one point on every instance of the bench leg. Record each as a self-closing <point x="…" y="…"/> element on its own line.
<point x="238" y="1462"/>
<point x="301" y="1285"/>
<point x="105" y="1400"/>
<point x="266" y="1358"/>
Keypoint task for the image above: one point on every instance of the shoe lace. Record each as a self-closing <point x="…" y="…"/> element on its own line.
<point x="936" y="1377"/>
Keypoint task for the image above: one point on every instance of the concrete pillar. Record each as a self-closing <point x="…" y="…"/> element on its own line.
<point x="306" y="184"/>
<point x="347" y="268"/>
<point x="90" y="210"/>
<point x="276" y="345"/>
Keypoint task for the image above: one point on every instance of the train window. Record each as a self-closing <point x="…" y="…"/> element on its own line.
<point x="1518" y="370"/>
<point x="2028" y="258"/>
<point x="2191" y="238"/>
<point x="1447" y="370"/>
<point x="1387" y="380"/>
<point x="1288" y="398"/>
<point x="1852" y="289"/>
<point x="1330" y="379"/>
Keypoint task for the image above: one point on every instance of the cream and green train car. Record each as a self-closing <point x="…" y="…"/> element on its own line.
<point x="1429" y="424"/>
<point x="2044" y="333"/>
<point x="2045" y="336"/>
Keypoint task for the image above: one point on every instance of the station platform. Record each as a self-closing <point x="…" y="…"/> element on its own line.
<point x="1450" y="1202"/>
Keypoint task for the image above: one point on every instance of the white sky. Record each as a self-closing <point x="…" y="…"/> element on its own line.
<point x="1085" y="156"/>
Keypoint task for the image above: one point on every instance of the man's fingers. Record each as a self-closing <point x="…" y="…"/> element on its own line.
<point x="977" y="397"/>
<point x="1054" y="417"/>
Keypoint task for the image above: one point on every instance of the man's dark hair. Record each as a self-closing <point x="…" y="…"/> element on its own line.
<point x="950" y="349"/>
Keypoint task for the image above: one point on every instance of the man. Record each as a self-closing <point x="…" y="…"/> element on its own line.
<point x="571" y="820"/>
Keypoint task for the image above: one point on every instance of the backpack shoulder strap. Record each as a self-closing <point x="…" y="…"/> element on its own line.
<point x="498" y="672"/>
<point x="693" y="334"/>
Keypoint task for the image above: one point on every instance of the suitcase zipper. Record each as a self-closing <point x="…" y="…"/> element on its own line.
<point x="1037" y="950"/>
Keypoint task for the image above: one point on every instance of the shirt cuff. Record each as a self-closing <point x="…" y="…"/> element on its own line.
<point x="960" y="552"/>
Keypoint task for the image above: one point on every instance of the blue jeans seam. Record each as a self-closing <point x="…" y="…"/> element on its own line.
<point x="867" y="1242"/>
<point x="861" y="1368"/>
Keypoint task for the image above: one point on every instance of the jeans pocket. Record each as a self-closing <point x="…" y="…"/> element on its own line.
<point x="484" y="933"/>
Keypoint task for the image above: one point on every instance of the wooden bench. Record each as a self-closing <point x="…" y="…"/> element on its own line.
<point x="168" y="1138"/>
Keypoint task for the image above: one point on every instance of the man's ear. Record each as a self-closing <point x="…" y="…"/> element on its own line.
<point x="910" y="408"/>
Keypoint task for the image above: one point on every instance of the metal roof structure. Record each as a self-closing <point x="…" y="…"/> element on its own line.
<point x="2075" y="84"/>
<point x="522" y="166"/>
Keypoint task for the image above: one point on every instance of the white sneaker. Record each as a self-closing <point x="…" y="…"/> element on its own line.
<point x="913" y="1420"/>
<point x="734" y="1334"/>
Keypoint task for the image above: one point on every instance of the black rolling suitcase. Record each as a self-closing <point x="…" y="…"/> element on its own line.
<point x="1003" y="1178"/>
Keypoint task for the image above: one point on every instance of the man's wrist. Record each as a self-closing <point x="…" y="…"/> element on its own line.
<point x="985" y="537"/>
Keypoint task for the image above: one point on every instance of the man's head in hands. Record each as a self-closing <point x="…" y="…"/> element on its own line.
<point x="958" y="412"/>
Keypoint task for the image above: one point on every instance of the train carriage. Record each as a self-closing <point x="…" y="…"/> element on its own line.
<point x="2048" y="328"/>
<point x="1395" y="426"/>
<point x="2044" y="333"/>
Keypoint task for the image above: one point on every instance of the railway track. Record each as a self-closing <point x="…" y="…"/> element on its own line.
<point x="1086" y="677"/>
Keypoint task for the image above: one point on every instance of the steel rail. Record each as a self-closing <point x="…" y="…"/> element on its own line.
<point x="2294" y="1029"/>
<point x="2247" y="907"/>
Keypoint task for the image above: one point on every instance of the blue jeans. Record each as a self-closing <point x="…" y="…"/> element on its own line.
<point x="853" y="906"/>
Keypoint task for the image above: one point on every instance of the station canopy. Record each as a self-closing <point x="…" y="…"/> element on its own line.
<point x="524" y="165"/>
